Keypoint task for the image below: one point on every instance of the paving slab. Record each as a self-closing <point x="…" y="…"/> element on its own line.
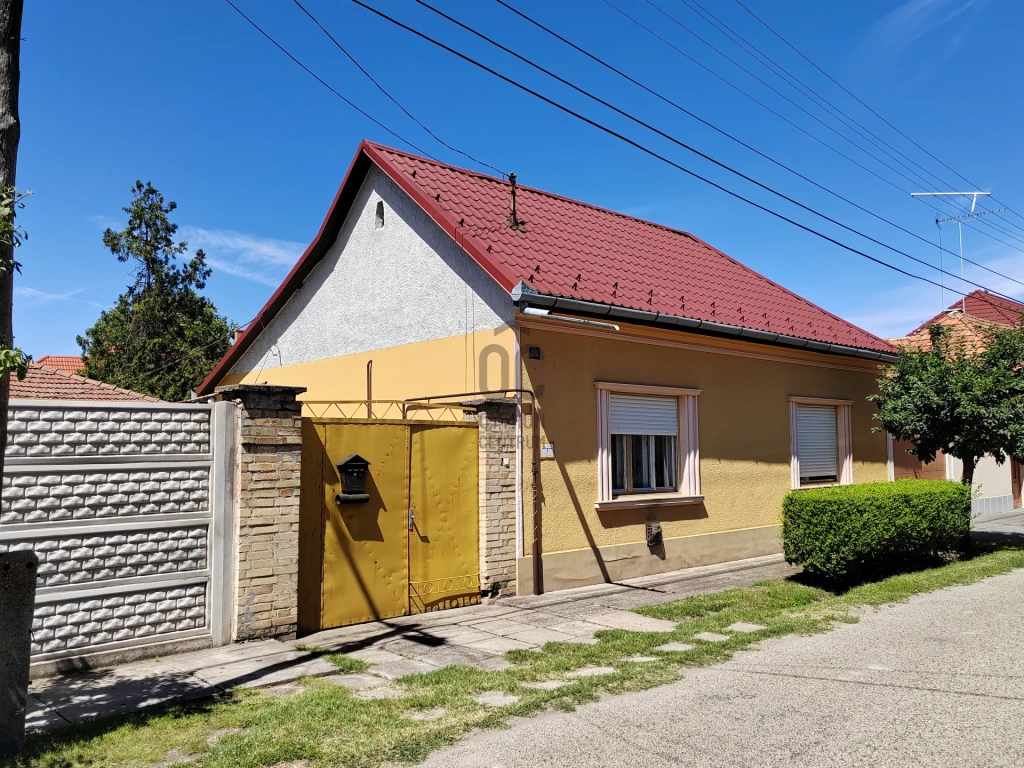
<point x="392" y="670"/>
<point x="743" y="626"/>
<point x="502" y="627"/>
<point x="632" y="621"/>
<point x="384" y="692"/>
<point x="40" y="717"/>
<point x="279" y="663"/>
<point x="494" y="664"/>
<point x="495" y="699"/>
<point x="584" y="640"/>
<point x="450" y="655"/>
<point x="287" y="689"/>
<point x="221" y="733"/>
<point x="675" y="647"/>
<point x="547" y="685"/>
<point x="498" y="645"/>
<point x="642" y="659"/>
<point x="540" y="635"/>
<point x="355" y="682"/>
<point x="375" y="655"/>
<point x="578" y="628"/>
<point x="540" y="619"/>
<point x="94" y="695"/>
<point x="711" y="637"/>
<point x="591" y="672"/>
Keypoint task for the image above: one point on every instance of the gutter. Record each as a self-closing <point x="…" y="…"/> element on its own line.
<point x="524" y="297"/>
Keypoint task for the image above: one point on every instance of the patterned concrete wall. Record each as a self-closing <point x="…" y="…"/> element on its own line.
<point x="120" y="503"/>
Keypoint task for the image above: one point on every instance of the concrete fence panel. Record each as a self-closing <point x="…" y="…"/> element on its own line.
<point x="131" y="510"/>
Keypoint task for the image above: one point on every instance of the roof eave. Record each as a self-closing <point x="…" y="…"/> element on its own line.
<point x="523" y="295"/>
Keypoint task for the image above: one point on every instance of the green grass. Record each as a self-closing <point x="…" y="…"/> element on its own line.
<point x="327" y="726"/>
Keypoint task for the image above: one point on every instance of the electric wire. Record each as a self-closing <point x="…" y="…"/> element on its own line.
<point x="642" y="148"/>
<point x="798" y="127"/>
<point x="795" y="82"/>
<point x="856" y="98"/>
<point x="395" y="101"/>
<point x="684" y="145"/>
<point x="735" y="139"/>
<point x="326" y="85"/>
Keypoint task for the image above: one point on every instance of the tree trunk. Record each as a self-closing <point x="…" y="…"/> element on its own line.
<point x="10" y="134"/>
<point x="970" y="463"/>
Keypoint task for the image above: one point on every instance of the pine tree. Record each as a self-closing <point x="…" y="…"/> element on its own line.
<point x="161" y="337"/>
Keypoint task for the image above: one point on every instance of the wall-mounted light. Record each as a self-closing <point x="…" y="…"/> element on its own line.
<point x="352" y="470"/>
<point x="533" y="353"/>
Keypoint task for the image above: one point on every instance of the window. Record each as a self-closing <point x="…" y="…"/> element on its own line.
<point x="647" y="445"/>
<point x="379" y="218"/>
<point x="820" y="444"/>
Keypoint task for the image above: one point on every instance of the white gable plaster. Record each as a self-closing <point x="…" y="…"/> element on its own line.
<point x="381" y="287"/>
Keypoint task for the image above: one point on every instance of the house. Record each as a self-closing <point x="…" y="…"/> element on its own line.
<point x="64" y="363"/>
<point x="997" y="487"/>
<point x="45" y="383"/>
<point x="665" y="397"/>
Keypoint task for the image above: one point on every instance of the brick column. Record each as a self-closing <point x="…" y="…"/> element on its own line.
<point x="497" y="445"/>
<point x="270" y="458"/>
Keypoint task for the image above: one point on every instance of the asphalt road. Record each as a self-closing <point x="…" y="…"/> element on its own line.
<point x="938" y="681"/>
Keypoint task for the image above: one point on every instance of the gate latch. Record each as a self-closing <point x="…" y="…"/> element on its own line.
<point x="411" y="518"/>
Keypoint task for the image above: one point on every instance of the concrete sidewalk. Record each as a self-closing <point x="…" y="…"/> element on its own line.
<point x="478" y="635"/>
<point x="932" y="682"/>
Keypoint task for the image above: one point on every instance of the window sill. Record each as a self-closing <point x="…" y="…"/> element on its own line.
<point x="645" y="500"/>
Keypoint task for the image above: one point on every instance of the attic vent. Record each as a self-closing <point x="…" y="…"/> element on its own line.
<point x="379" y="221"/>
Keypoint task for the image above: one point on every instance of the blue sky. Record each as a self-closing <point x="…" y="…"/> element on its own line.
<point x="189" y="96"/>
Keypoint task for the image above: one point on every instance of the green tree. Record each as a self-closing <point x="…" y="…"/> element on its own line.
<point x="962" y="401"/>
<point x="161" y="337"/>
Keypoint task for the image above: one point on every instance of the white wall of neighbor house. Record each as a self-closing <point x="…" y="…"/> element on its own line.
<point x="381" y="286"/>
<point x="993" y="484"/>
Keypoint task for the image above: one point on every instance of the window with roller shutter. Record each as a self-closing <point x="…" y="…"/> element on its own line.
<point x="821" y="450"/>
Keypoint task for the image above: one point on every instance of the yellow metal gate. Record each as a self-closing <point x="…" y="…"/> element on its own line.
<point x="414" y="545"/>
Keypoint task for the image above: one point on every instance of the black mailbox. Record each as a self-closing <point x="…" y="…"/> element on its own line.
<point x="352" y="470"/>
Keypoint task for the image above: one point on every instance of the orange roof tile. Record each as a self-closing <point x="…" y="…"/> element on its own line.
<point x="64" y="363"/>
<point x="43" y="383"/>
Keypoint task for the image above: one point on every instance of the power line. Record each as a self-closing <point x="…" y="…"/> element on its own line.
<point x="785" y="119"/>
<point x="682" y="144"/>
<point x="326" y="85"/>
<point x="808" y="92"/>
<point x="863" y="104"/>
<point x="795" y="82"/>
<point x="728" y="135"/>
<point x="641" y="147"/>
<point x="395" y="101"/>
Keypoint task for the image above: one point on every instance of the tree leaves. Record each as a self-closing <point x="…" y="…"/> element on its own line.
<point x="957" y="400"/>
<point x="161" y="337"/>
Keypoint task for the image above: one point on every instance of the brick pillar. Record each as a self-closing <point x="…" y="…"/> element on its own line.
<point x="270" y="458"/>
<point x="497" y="445"/>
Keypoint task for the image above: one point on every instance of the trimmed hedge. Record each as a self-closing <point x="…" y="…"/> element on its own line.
<point x="850" y="533"/>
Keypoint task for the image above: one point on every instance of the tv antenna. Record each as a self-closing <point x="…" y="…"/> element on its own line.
<point x="974" y="214"/>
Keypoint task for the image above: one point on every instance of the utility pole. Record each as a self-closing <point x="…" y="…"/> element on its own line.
<point x="10" y="135"/>
<point x="959" y="224"/>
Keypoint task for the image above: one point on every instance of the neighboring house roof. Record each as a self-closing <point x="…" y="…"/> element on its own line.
<point x="964" y="328"/>
<point x="43" y="383"/>
<point x="982" y="305"/>
<point x="64" y="363"/>
<point x="575" y="251"/>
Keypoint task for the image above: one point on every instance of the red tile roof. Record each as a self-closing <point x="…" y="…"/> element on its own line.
<point x="573" y="250"/>
<point x="984" y="306"/>
<point x="65" y="363"/>
<point x="44" y="383"/>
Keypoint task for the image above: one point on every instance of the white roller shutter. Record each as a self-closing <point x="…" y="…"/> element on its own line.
<point x="817" y="442"/>
<point x="642" y="415"/>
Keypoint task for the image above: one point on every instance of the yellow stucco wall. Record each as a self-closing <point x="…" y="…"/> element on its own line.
<point x="465" y="363"/>
<point x="743" y="417"/>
